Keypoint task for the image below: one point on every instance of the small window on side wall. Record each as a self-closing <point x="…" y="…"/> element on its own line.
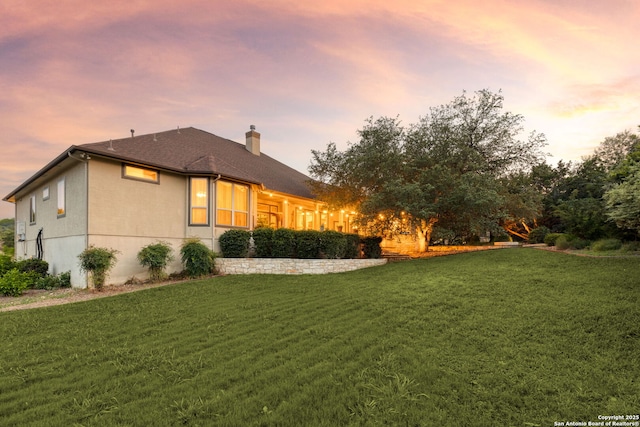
<point x="140" y="174"/>
<point x="62" y="196"/>
<point x="32" y="209"/>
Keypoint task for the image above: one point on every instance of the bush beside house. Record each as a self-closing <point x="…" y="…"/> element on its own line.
<point x="303" y="244"/>
<point x="16" y="277"/>
<point x="97" y="262"/>
<point x="156" y="257"/>
<point x="263" y="242"/>
<point x="197" y="258"/>
<point x="235" y="243"/>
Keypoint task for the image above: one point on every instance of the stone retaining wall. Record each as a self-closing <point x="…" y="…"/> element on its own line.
<point x="292" y="266"/>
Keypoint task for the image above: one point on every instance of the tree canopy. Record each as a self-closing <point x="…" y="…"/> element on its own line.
<point x="622" y="200"/>
<point x="447" y="170"/>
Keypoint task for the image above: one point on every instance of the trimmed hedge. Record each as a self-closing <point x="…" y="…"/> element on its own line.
<point x="371" y="246"/>
<point x="235" y="243"/>
<point x="284" y="243"/>
<point x="333" y="244"/>
<point x="308" y="244"/>
<point x="263" y="242"/>
<point x="288" y="243"/>
<point x="352" y="246"/>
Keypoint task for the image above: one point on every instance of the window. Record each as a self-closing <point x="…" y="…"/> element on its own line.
<point x="199" y="201"/>
<point x="45" y="193"/>
<point x="32" y="209"/>
<point x="62" y="209"/>
<point x="304" y="219"/>
<point x="232" y="204"/>
<point x="268" y="216"/>
<point x="141" y="174"/>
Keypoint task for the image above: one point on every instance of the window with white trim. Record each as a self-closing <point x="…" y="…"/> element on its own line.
<point x="199" y="201"/>
<point x="32" y="209"/>
<point x="62" y="195"/>
<point x="232" y="204"/>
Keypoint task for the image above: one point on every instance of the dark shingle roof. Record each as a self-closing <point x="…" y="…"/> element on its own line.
<point x="193" y="151"/>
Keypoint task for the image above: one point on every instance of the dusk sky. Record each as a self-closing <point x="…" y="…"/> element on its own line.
<point x="305" y="73"/>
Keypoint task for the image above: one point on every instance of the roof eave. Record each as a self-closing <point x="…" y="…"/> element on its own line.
<point x="63" y="156"/>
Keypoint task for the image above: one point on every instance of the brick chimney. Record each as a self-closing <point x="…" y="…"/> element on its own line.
<point x="253" y="141"/>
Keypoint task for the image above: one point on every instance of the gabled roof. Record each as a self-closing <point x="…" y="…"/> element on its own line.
<point x="192" y="151"/>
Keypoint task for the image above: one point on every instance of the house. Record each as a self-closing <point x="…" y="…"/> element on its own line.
<point x="127" y="193"/>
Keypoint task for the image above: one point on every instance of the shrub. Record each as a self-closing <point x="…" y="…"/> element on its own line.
<point x="263" y="242"/>
<point x="538" y="234"/>
<point x="307" y="244"/>
<point x="235" y="243"/>
<point x="371" y="247"/>
<point x="333" y="244"/>
<point x="284" y="245"/>
<point x="33" y="265"/>
<point x="606" y="245"/>
<point x="578" y="243"/>
<point x="97" y="262"/>
<point x="631" y="247"/>
<point x="63" y="280"/>
<point x="156" y="257"/>
<point x="14" y="282"/>
<point x="352" y="246"/>
<point x="551" y="238"/>
<point x="502" y="236"/>
<point x="197" y="258"/>
<point x="568" y="241"/>
<point x="6" y="264"/>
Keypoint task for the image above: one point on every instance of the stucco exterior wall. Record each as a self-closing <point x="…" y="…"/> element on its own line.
<point x="64" y="237"/>
<point x="292" y="266"/>
<point x="62" y="255"/>
<point x="127" y="265"/>
<point x="127" y="207"/>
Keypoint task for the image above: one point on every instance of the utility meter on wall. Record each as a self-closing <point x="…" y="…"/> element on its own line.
<point x="21" y="231"/>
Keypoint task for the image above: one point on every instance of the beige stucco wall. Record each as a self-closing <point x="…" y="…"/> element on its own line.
<point x="127" y="214"/>
<point x="64" y="237"/>
<point x="127" y="207"/>
<point x="127" y="265"/>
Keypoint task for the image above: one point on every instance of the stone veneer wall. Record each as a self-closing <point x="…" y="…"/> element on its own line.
<point x="292" y="266"/>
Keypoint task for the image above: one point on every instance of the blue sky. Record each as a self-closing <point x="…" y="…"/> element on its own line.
<point x="305" y="73"/>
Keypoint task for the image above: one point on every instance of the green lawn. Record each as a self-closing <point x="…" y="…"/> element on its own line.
<point x="513" y="337"/>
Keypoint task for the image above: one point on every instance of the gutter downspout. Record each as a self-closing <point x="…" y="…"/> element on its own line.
<point x="213" y="216"/>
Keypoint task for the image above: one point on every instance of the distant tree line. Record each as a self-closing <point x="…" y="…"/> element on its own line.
<point x="597" y="197"/>
<point x="7" y="232"/>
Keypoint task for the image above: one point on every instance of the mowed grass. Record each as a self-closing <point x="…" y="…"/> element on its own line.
<point x="514" y="337"/>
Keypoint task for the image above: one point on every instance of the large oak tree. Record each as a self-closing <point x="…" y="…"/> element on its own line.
<point x="445" y="170"/>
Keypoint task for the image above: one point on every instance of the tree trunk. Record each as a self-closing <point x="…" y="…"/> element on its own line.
<point x="424" y="231"/>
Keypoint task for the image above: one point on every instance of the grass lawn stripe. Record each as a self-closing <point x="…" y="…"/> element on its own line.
<point x="503" y="337"/>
